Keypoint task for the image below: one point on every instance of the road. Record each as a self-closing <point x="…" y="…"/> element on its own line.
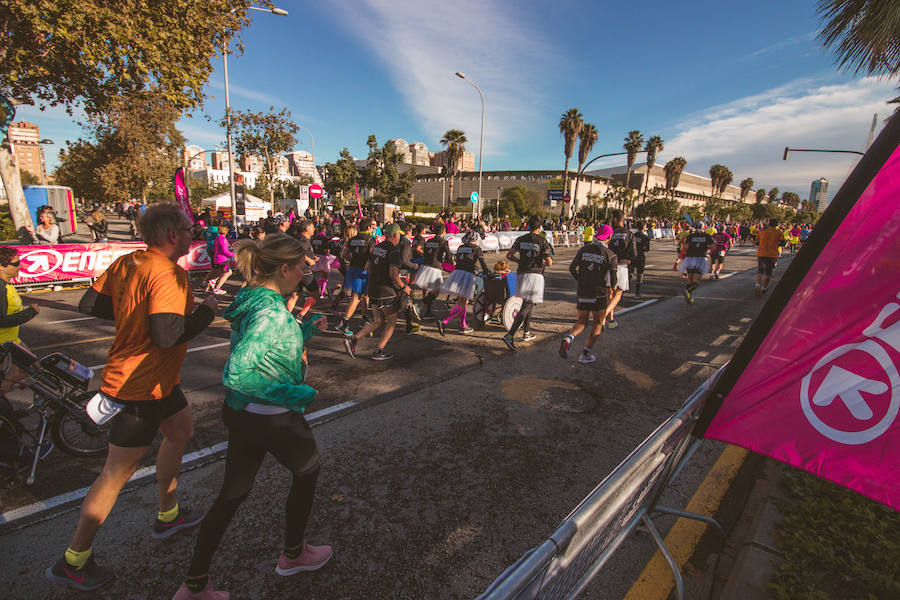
<point x="457" y="455"/>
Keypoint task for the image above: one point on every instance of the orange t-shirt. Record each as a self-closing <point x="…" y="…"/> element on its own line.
<point x="769" y="242"/>
<point x="141" y="284"/>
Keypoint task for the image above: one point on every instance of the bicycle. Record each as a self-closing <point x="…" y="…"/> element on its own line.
<point x="60" y="387"/>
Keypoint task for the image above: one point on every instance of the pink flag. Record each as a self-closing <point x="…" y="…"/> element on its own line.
<point x="815" y="383"/>
<point x="358" y="205"/>
<point x="182" y="193"/>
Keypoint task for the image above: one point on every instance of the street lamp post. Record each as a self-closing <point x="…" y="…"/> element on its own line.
<point x="43" y="162"/>
<point x="498" y="203"/>
<point x="275" y="11"/>
<point x="316" y="207"/>
<point x="481" y="143"/>
<point x="587" y="164"/>
<point x="788" y="150"/>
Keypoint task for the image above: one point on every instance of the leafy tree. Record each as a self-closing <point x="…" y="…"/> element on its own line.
<point x="714" y="208"/>
<point x="658" y="206"/>
<point x="342" y="175"/>
<point x="266" y="135"/>
<point x="790" y="199"/>
<point x="620" y="195"/>
<point x="746" y="186"/>
<point x="738" y="212"/>
<point x="200" y="190"/>
<point x="29" y="178"/>
<point x="773" y="195"/>
<point x="77" y="169"/>
<point x="570" y="124"/>
<point x="587" y="139"/>
<point x="716" y="176"/>
<point x="863" y="33"/>
<point x="760" y="195"/>
<point x="382" y="173"/>
<point x="633" y="144"/>
<point x="726" y="178"/>
<point x="674" y="168"/>
<point x="654" y="145"/>
<point x="454" y="141"/>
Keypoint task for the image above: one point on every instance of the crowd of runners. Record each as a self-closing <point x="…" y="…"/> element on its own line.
<point x="285" y="266"/>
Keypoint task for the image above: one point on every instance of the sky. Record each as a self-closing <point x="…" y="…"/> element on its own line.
<point x="720" y="82"/>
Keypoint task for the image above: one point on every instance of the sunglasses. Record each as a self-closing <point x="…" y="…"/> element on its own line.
<point x="15" y="263"/>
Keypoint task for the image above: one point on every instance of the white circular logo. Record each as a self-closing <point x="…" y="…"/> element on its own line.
<point x="41" y="262"/>
<point x="848" y="386"/>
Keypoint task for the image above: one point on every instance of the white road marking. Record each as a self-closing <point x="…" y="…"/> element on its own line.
<point x="198" y="348"/>
<point x="636" y="306"/>
<point x="69" y="320"/>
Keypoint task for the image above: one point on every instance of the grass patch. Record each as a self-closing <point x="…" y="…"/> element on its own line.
<point x="837" y="544"/>
<point x="7" y="229"/>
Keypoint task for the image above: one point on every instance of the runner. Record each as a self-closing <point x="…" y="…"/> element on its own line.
<point x="407" y="267"/>
<point x="308" y="283"/>
<point x="636" y="268"/>
<point x="679" y="244"/>
<point x="429" y="277"/>
<point x="220" y="271"/>
<point x="770" y="242"/>
<point x="357" y="253"/>
<point x="533" y="255"/>
<point x="322" y="252"/>
<point x="461" y="282"/>
<point x="385" y="286"/>
<point x="595" y="268"/>
<point x="724" y="243"/>
<point x="337" y="249"/>
<point x="623" y="244"/>
<point x="695" y="265"/>
<point x="148" y="297"/>
<point x="264" y="404"/>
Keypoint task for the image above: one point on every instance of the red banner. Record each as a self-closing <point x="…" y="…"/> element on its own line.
<point x="62" y="262"/>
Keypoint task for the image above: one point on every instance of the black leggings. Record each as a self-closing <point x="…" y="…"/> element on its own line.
<point x="523" y="316"/>
<point x="290" y="440"/>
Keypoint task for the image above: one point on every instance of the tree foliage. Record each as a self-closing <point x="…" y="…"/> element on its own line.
<point x="654" y="146"/>
<point x="570" y="125"/>
<point x="61" y="51"/>
<point x="760" y="195"/>
<point x="746" y="186"/>
<point x="633" y="144"/>
<point x="865" y="34"/>
<point x="382" y="173"/>
<point x="791" y="199"/>
<point x="342" y="175"/>
<point x="773" y="195"/>
<point x="454" y="143"/>
<point x="519" y="201"/>
<point x="674" y="168"/>
<point x="266" y="135"/>
<point x="28" y="178"/>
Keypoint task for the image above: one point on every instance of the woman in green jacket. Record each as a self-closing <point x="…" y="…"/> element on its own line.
<point x="265" y="397"/>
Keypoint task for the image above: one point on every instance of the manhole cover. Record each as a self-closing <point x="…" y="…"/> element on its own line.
<point x="566" y="399"/>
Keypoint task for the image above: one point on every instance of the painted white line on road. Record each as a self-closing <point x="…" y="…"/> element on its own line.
<point x="727" y="275"/>
<point x="150" y="471"/>
<point x="197" y="349"/>
<point x="68" y="320"/>
<point x="636" y="306"/>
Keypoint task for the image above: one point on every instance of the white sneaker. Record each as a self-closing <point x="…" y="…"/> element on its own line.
<point x="587" y="359"/>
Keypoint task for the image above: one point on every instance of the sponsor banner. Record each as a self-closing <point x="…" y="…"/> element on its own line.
<point x="182" y="193"/>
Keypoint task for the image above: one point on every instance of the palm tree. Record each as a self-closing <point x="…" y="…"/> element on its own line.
<point x="654" y="145"/>
<point x="570" y="124"/>
<point x="454" y="141"/>
<point x="760" y="195"/>
<point x="725" y="180"/>
<point x="773" y="195"/>
<point x="633" y="144"/>
<point x="863" y="33"/>
<point x="716" y="173"/>
<point x="746" y="186"/>
<point x="587" y="138"/>
<point x="673" y="169"/>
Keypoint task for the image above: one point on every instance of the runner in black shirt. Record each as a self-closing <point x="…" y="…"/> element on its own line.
<point x="322" y="251"/>
<point x="385" y="286"/>
<point x="407" y="268"/>
<point x="636" y="268"/>
<point x="429" y="277"/>
<point x="356" y="253"/>
<point x="461" y="282"/>
<point x="308" y="282"/>
<point x="697" y="246"/>
<point x="595" y="269"/>
<point x="534" y="254"/>
<point x="622" y="243"/>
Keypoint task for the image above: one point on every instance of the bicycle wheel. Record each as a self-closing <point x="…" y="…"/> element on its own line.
<point x="74" y="432"/>
<point x="482" y="309"/>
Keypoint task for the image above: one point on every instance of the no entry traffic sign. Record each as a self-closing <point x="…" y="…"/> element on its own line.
<point x="316" y="191"/>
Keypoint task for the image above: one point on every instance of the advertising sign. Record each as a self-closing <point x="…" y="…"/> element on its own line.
<point x="555" y="190"/>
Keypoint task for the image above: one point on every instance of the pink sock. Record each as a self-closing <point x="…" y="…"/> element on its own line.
<point x="323" y="286"/>
<point x="462" y="319"/>
<point x="452" y="314"/>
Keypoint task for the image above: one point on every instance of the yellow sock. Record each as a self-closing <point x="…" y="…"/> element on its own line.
<point x="169" y="515"/>
<point x="78" y="559"/>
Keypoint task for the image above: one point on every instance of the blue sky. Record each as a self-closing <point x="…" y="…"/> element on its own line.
<point x="722" y="82"/>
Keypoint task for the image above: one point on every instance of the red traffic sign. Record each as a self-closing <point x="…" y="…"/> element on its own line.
<point x="567" y="197"/>
<point x="316" y="191"/>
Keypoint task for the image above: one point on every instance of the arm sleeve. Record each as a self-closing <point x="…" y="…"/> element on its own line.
<point x="222" y="247"/>
<point x="15" y="319"/>
<point x="573" y="266"/>
<point x="168" y="298"/>
<point x="407" y="258"/>
<point x="168" y="330"/>
<point x="613" y="270"/>
<point x="96" y="304"/>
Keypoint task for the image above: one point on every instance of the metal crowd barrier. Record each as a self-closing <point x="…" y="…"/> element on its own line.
<point x="565" y="563"/>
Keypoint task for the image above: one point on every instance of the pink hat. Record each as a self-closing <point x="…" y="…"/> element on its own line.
<point x="604" y="232"/>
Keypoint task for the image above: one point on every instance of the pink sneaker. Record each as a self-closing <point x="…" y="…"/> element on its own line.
<point x="208" y="593"/>
<point x="311" y="558"/>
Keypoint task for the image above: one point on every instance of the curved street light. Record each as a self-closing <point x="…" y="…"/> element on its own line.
<point x="587" y="164"/>
<point x="481" y="143"/>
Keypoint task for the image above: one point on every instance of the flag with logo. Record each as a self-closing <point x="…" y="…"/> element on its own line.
<point x="815" y="383"/>
<point x="182" y="193"/>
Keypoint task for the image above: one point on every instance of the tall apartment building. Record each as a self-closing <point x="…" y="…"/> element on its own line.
<point x="25" y="146"/>
<point x="818" y="193"/>
<point x="301" y="163"/>
<point x="465" y="163"/>
<point x="194" y="158"/>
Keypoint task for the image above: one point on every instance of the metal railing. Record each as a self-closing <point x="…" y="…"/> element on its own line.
<point x="565" y="563"/>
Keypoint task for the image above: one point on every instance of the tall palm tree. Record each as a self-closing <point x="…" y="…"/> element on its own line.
<point x="760" y="195"/>
<point x="454" y="141"/>
<point x="587" y="139"/>
<point x="746" y="186"/>
<point x="773" y="195"/>
<point x="654" y="145"/>
<point x="716" y="172"/>
<point x="570" y="124"/>
<point x="725" y="180"/>
<point x="674" y="168"/>
<point x="863" y="33"/>
<point x="633" y="144"/>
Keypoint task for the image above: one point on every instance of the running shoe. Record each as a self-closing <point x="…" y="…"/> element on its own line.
<point x="185" y="520"/>
<point x="757" y="291"/>
<point x="687" y="295"/>
<point x="350" y="347"/>
<point x="413" y="329"/>
<point x="508" y="340"/>
<point x="312" y="558"/>
<point x="638" y="296"/>
<point x="527" y="336"/>
<point x="612" y="324"/>
<point x="207" y="593"/>
<point x="564" y="348"/>
<point x="414" y="309"/>
<point x="467" y="329"/>
<point x="587" y="359"/>
<point x="380" y="355"/>
<point x="89" y="577"/>
<point x="441" y="327"/>
<point x="340" y="327"/>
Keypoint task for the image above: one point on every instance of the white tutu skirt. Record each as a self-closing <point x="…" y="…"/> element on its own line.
<point x="429" y="278"/>
<point x="460" y="284"/>
<point x="324" y="263"/>
<point x="530" y="287"/>
<point x="694" y="263"/>
<point x="622" y="277"/>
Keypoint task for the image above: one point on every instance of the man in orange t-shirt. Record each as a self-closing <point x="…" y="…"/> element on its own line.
<point x="770" y="242"/>
<point x="148" y="297"/>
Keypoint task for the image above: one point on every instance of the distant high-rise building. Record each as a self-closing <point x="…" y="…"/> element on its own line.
<point x="818" y="194"/>
<point x="301" y="163"/>
<point x="219" y="160"/>
<point x="419" y="154"/>
<point x="466" y="162"/>
<point x="194" y="158"/>
<point x="25" y="145"/>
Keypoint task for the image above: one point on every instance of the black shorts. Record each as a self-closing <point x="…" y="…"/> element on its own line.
<point x="137" y="424"/>
<point x="637" y="264"/>
<point x="218" y="270"/>
<point x="717" y="258"/>
<point x="765" y="265"/>
<point x="592" y="304"/>
<point x="387" y="304"/>
<point x="309" y="284"/>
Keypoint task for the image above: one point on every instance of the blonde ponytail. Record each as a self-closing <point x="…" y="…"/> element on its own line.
<point x="257" y="260"/>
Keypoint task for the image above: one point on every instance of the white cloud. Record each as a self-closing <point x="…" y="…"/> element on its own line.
<point x="423" y="45"/>
<point x="749" y="134"/>
<point x="800" y="39"/>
